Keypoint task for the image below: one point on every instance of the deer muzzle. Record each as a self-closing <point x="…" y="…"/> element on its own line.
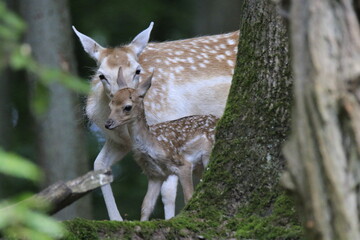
<point x="109" y="124"/>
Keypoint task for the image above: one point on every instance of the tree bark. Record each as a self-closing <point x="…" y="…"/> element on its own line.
<point x="324" y="149"/>
<point x="239" y="195"/>
<point x="61" y="146"/>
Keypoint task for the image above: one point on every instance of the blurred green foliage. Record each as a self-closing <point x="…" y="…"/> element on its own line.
<point x="17" y="166"/>
<point x="21" y="217"/>
<point x="18" y="57"/>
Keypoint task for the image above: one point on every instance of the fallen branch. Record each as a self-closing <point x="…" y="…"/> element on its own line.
<point x="62" y="194"/>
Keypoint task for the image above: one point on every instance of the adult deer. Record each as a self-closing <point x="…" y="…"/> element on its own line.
<point x="192" y="77"/>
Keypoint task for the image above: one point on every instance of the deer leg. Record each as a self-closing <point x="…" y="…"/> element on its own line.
<point x="186" y="180"/>
<point x="150" y="198"/>
<point x="109" y="154"/>
<point x="168" y="193"/>
<point x="205" y="159"/>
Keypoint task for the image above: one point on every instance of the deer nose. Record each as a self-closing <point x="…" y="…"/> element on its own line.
<point x="108" y="123"/>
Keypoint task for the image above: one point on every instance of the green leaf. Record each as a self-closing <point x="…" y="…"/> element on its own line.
<point x="7" y="33"/>
<point x="75" y="83"/>
<point x="51" y="75"/>
<point x="21" y="232"/>
<point x="17" y="166"/>
<point x="11" y="20"/>
<point x="44" y="224"/>
<point x="21" y="59"/>
<point x="40" y="100"/>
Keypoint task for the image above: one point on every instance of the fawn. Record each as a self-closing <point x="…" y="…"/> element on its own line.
<point x="163" y="149"/>
<point x="184" y="68"/>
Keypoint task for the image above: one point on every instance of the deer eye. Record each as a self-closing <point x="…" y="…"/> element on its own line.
<point x="102" y="77"/>
<point x="127" y="108"/>
<point x="138" y="71"/>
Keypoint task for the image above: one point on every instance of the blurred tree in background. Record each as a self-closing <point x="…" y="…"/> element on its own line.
<point x="111" y="23"/>
<point x="60" y="141"/>
<point x="24" y="220"/>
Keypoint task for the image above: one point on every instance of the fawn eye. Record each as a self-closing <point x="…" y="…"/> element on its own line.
<point x="138" y="71"/>
<point x="127" y="108"/>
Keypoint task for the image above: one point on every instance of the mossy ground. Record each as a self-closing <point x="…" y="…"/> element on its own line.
<point x="250" y="223"/>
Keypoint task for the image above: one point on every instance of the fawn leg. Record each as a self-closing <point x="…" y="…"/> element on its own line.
<point x="186" y="180"/>
<point x="168" y="193"/>
<point x="150" y="198"/>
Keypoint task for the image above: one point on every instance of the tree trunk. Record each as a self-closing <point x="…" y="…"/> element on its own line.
<point x="324" y="149"/>
<point x="239" y="196"/>
<point x="61" y="143"/>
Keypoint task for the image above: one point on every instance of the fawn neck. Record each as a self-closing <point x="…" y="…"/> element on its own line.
<point x="141" y="137"/>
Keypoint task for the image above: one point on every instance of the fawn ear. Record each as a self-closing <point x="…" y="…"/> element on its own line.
<point x="90" y="46"/>
<point x="120" y="79"/>
<point x="106" y="86"/>
<point x="141" y="40"/>
<point x="144" y="86"/>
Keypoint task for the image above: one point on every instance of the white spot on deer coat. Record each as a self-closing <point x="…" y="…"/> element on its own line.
<point x="230" y="62"/>
<point x="179" y="69"/>
<point x="231" y="41"/>
<point x="220" y="57"/>
<point x="205" y="55"/>
<point x="190" y="60"/>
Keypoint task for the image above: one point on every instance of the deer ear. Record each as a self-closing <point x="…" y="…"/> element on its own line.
<point x="106" y="85"/>
<point x="90" y="46"/>
<point x="144" y="86"/>
<point x="142" y="39"/>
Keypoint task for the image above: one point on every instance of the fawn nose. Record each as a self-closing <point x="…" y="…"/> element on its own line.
<point x="108" y="123"/>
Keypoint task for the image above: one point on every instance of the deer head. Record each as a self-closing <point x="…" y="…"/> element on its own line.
<point x="127" y="103"/>
<point x="110" y="60"/>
